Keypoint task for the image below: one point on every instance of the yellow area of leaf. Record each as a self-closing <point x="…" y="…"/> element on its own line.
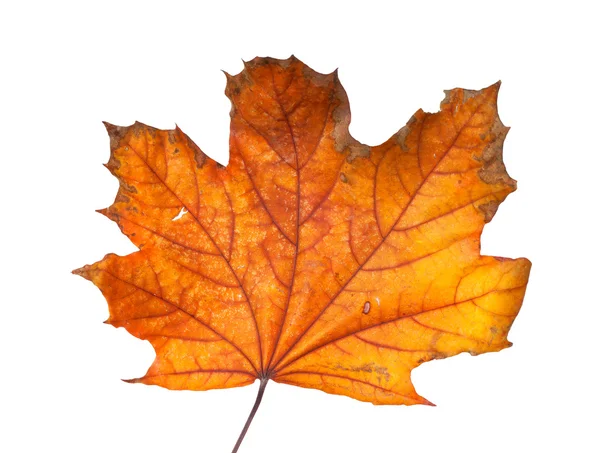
<point x="311" y="259"/>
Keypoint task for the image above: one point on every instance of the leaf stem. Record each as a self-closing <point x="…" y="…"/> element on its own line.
<point x="261" y="390"/>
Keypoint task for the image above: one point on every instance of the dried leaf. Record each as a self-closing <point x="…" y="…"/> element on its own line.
<point x="311" y="259"/>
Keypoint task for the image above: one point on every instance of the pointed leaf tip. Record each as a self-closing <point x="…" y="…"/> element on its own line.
<point x="132" y="381"/>
<point x="108" y="126"/>
<point x="82" y="272"/>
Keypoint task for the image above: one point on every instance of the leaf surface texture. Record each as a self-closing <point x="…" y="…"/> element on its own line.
<point x="311" y="259"/>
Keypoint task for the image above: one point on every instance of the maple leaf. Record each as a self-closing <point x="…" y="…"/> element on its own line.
<point x="311" y="259"/>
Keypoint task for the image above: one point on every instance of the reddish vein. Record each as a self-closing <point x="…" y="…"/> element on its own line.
<point x="412" y="317"/>
<point x="384" y="238"/>
<point x="191" y="315"/>
<point x="216" y="247"/>
<point x="297" y="244"/>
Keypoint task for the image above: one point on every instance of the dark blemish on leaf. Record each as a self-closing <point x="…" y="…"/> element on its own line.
<point x="432" y="356"/>
<point x="176" y="151"/>
<point x="127" y="187"/>
<point x="358" y="150"/>
<point x="199" y="156"/>
<point x="137" y="129"/>
<point x="403" y="133"/>
<point x="489" y="209"/>
<point x="468" y="94"/>
<point x="317" y="79"/>
<point x="370" y="367"/>
<point x="367" y="308"/>
<point x="493" y="170"/>
<point x="344" y="178"/>
<point x="115" y="133"/>
<point x="343" y="141"/>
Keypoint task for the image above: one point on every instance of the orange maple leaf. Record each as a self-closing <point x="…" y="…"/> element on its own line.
<point x="311" y="259"/>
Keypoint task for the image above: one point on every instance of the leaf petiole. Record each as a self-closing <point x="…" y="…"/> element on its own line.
<point x="261" y="390"/>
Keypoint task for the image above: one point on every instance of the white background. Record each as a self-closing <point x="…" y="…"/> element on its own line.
<point x="67" y="66"/>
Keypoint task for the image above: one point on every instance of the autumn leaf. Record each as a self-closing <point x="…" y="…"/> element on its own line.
<point x="311" y="259"/>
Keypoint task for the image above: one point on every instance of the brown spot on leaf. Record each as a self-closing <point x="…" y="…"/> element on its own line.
<point x="343" y="141"/>
<point x="468" y="94"/>
<point x="127" y="187"/>
<point x="402" y="134"/>
<point x="317" y="78"/>
<point x="489" y="209"/>
<point x="493" y="170"/>
<point x="115" y="133"/>
<point x="367" y="308"/>
<point x="370" y="367"/>
<point x="199" y="156"/>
